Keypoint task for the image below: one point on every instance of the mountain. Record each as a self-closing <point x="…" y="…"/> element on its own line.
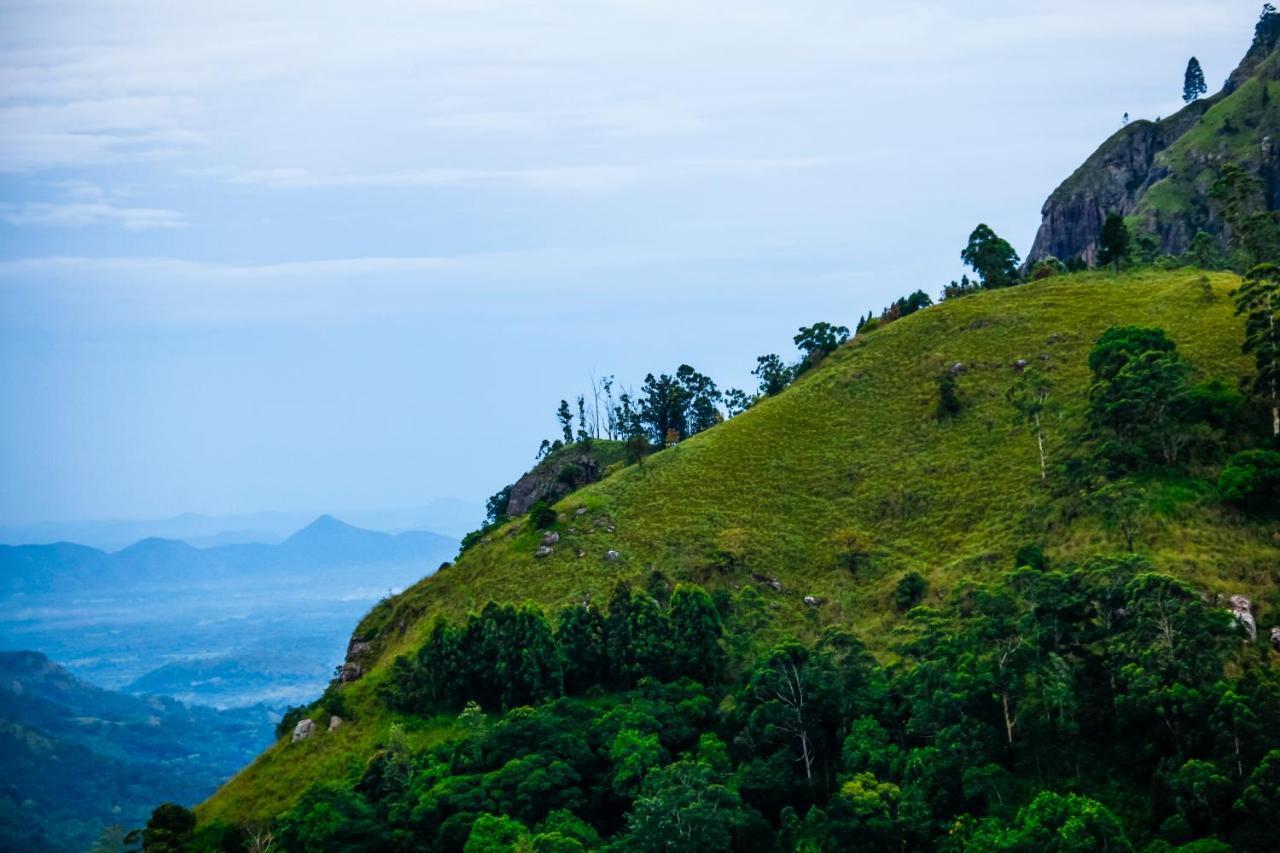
<point x="838" y="503"/>
<point x="446" y="515"/>
<point x="1158" y="174"/>
<point x="324" y="545"/>
<point x="75" y="759"/>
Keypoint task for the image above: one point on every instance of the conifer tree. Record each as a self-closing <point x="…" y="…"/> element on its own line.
<point x="1114" y="241"/>
<point x="1193" y="85"/>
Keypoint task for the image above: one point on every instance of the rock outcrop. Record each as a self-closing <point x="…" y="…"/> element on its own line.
<point x="564" y="471"/>
<point x="1242" y="610"/>
<point x="1158" y="173"/>
<point x="1275" y="638"/>
<point x="303" y="730"/>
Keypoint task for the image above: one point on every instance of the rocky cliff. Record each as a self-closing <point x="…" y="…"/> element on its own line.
<point x="1158" y="173"/>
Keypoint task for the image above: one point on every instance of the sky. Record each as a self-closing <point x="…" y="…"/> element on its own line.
<point x="318" y="256"/>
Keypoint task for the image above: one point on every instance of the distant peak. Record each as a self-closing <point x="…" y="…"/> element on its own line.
<point x="324" y="526"/>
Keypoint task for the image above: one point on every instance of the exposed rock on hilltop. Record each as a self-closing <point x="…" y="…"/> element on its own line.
<point x="562" y="472"/>
<point x="1158" y="174"/>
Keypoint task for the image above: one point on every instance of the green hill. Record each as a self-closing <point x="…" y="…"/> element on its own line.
<point x="833" y="490"/>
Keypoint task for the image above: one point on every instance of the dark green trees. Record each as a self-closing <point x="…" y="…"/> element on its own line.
<point x="1113" y="242"/>
<point x="991" y="257"/>
<point x="817" y="341"/>
<point x="565" y="418"/>
<point x="1193" y="85"/>
<point x="1136" y="399"/>
<point x="773" y="374"/>
<point x="1258" y="299"/>
<point x="695" y="636"/>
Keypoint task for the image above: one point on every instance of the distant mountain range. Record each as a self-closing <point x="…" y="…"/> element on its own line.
<point x="449" y="516"/>
<point x="324" y="544"/>
<point x="75" y="758"/>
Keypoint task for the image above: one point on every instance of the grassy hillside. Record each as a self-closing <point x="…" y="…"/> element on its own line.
<point x="851" y="451"/>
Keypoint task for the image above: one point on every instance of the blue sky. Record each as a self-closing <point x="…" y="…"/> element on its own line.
<point x="321" y="256"/>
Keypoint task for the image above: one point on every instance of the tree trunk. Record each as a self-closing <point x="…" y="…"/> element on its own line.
<point x="1040" y="442"/>
<point x="1008" y="724"/>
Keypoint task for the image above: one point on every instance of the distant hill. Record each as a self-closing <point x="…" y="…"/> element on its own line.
<point x="75" y="758"/>
<point x="326" y="544"/>
<point x="1158" y="173"/>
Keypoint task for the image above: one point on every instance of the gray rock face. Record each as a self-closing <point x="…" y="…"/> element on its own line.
<point x="334" y="722"/>
<point x="1118" y="176"/>
<point x="303" y="730"/>
<point x="612" y="556"/>
<point x="814" y="601"/>
<point x="1113" y="179"/>
<point x="1275" y="638"/>
<point x="1242" y="609"/>
<point x="550" y="537"/>
<point x="350" y="672"/>
<point x="544" y="551"/>
<point x="773" y="583"/>
<point x="548" y="480"/>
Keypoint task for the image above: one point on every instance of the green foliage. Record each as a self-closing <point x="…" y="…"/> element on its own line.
<point x="1193" y="85"/>
<point x="684" y="806"/>
<point x="991" y="257"/>
<point x="1239" y="196"/>
<point x="817" y="341"/>
<point x="949" y="402"/>
<point x="909" y="591"/>
<point x="542" y="515"/>
<point x="1252" y="479"/>
<point x="1099" y="676"/>
<point x="1138" y="402"/>
<point x="1032" y="556"/>
<point x="1113" y="243"/>
<point x="1055" y="823"/>
<point x="171" y="829"/>
<point x="1258" y="299"/>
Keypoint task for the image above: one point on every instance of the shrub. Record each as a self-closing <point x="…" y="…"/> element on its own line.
<point x="949" y="404"/>
<point x="1252" y="480"/>
<point x="1031" y="554"/>
<point x="541" y="515"/>
<point x="909" y="591"/>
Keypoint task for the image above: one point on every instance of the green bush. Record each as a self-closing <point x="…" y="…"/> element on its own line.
<point x="541" y="515"/>
<point x="1252" y="480"/>
<point x="1031" y="554"/>
<point x="909" y="591"/>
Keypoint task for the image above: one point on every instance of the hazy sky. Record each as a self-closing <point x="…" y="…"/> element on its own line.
<point x="334" y="255"/>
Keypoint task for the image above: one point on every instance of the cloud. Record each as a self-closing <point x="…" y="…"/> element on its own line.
<point x="88" y="214"/>
<point x="587" y="177"/>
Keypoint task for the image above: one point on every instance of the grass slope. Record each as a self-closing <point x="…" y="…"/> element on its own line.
<point x="853" y="445"/>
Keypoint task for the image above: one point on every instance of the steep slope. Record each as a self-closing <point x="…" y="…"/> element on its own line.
<point x="1158" y="174"/>
<point x="779" y="496"/>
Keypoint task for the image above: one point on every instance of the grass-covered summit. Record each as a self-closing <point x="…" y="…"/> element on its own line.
<point x="822" y="498"/>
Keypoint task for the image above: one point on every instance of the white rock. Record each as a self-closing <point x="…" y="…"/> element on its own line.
<point x="303" y="730"/>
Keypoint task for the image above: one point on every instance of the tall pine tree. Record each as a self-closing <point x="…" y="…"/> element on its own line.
<point x="1193" y="85"/>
